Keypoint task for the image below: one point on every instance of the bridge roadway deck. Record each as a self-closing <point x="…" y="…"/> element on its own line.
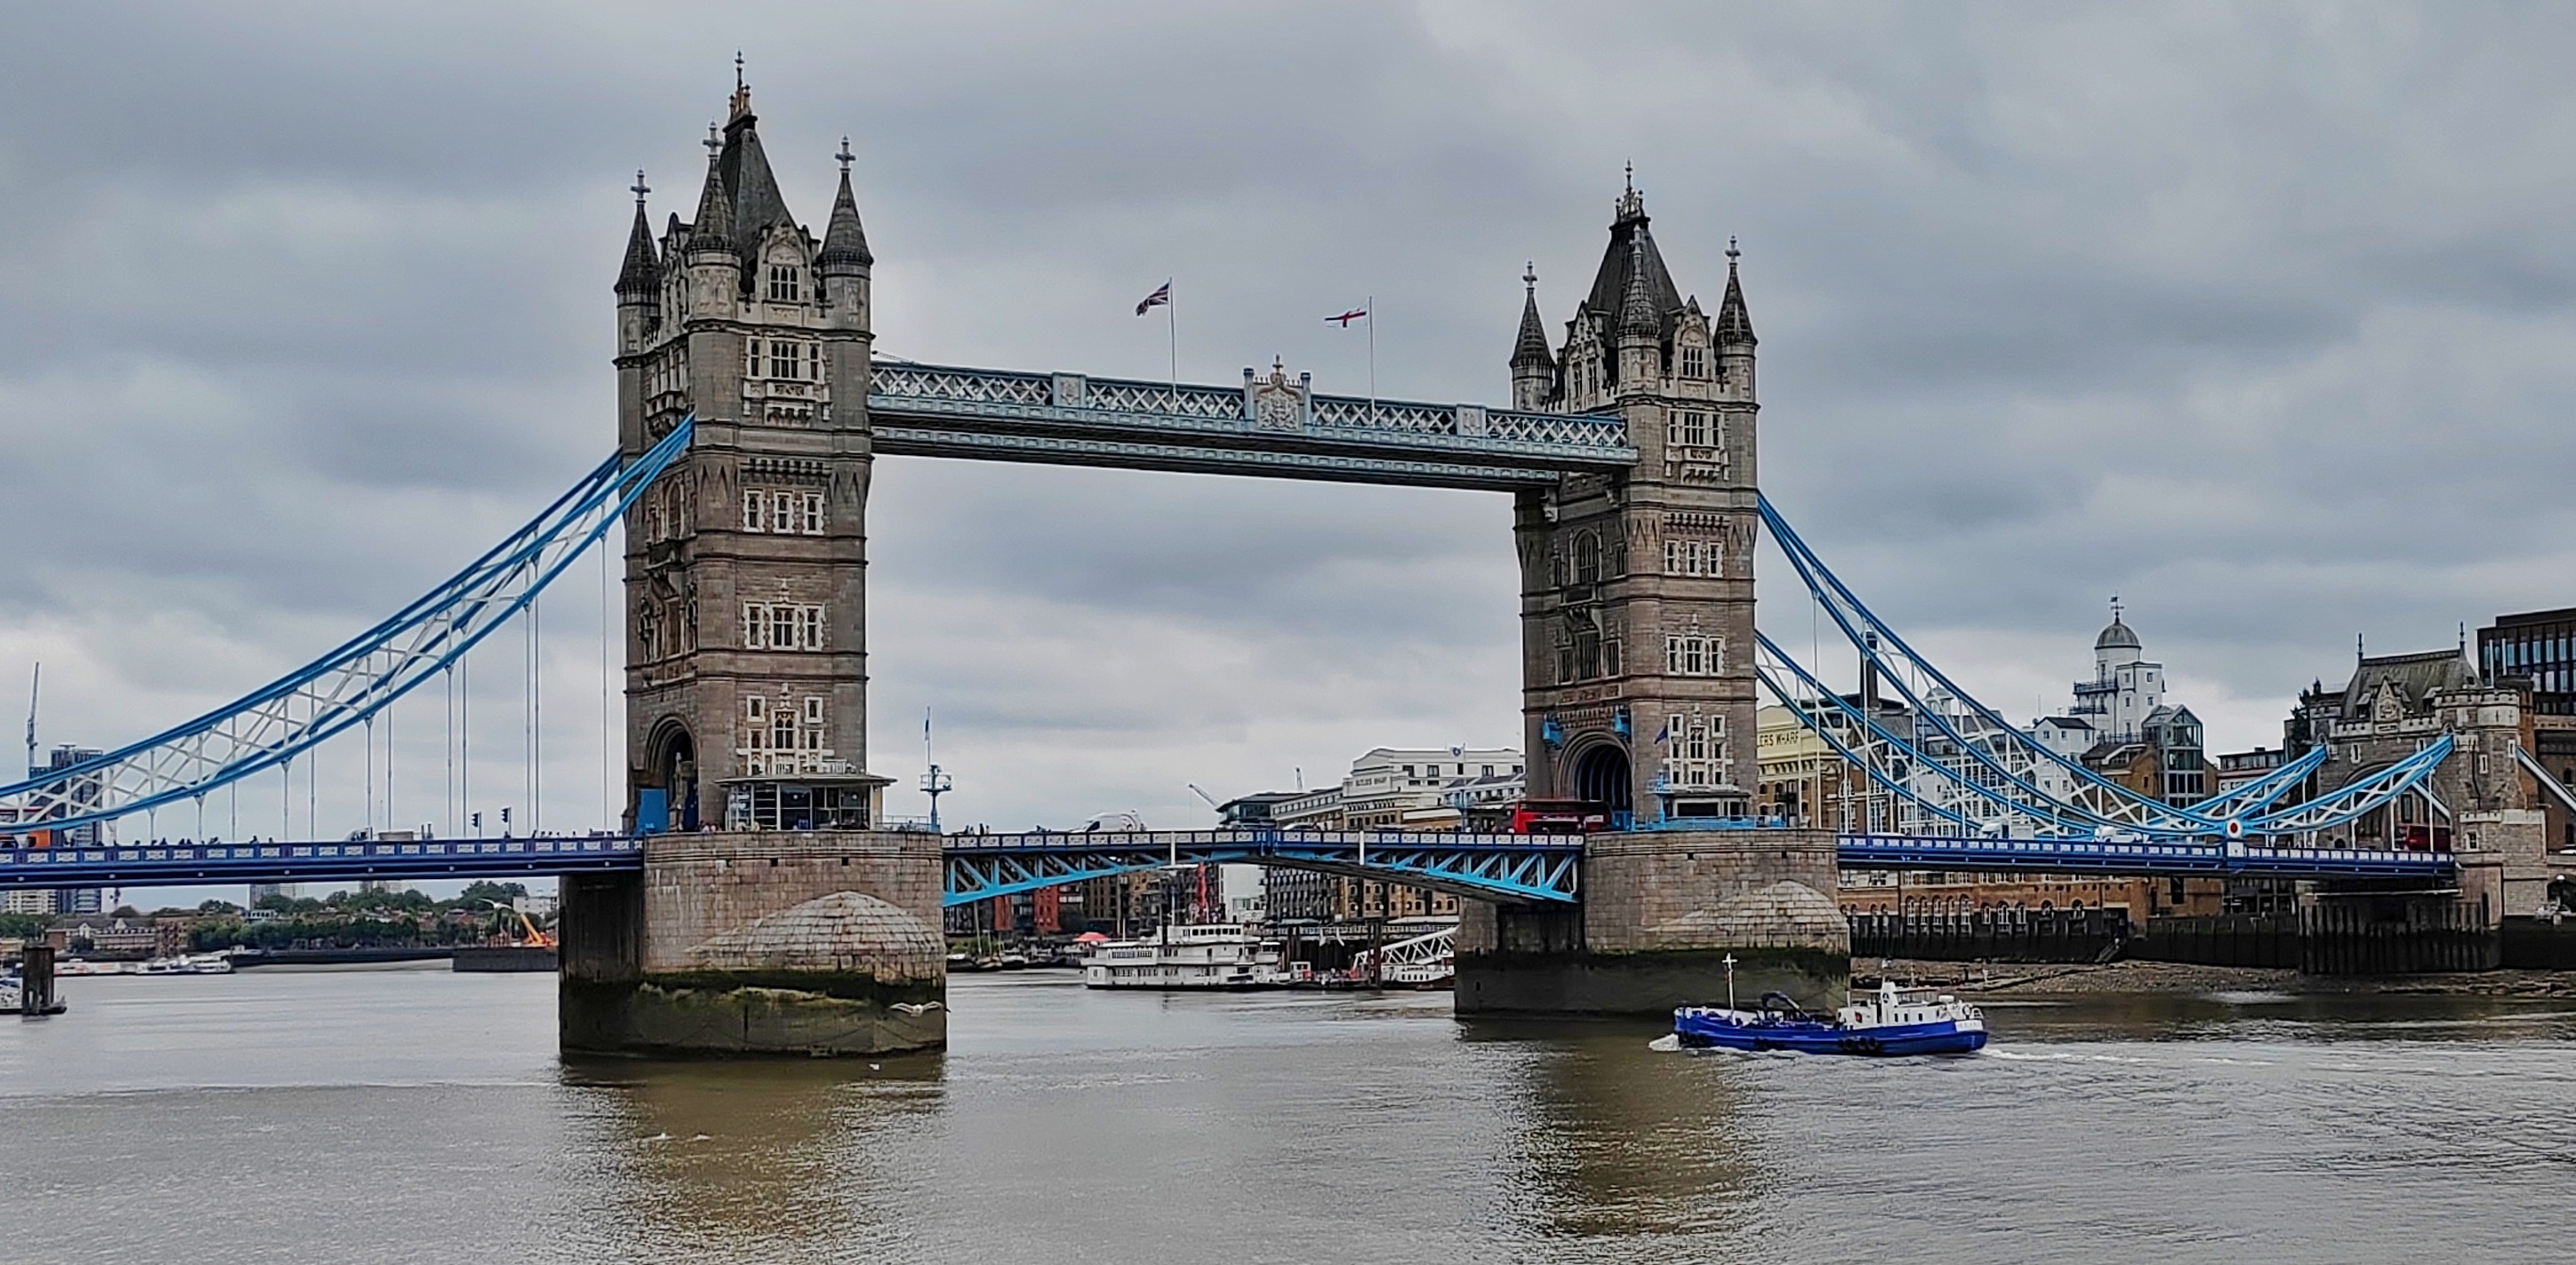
<point x="1511" y="867"/>
<point x="1261" y="428"/>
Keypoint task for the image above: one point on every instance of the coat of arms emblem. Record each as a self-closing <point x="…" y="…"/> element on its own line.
<point x="1277" y="403"/>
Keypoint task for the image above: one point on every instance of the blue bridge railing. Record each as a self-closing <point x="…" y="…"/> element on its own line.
<point x="187" y="864"/>
<point x="2263" y="858"/>
<point x="1544" y="868"/>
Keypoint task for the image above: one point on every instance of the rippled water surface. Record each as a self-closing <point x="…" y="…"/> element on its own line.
<point x="414" y="1115"/>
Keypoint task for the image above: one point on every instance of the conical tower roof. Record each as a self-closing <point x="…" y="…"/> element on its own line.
<point x="712" y="230"/>
<point x="1632" y="260"/>
<point x="1530" y="350"/>
<point x="1734" y="323"/>
<point x="750" y="187"/>
<point x="1638" y="315"/>
<point x="641" y="274"/>
<point x="845" y="241"/>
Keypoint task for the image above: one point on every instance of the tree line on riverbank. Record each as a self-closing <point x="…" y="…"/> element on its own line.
<point x="342" y="919"/>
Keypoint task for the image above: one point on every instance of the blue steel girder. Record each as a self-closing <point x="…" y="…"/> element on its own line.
<point x="1262" y="428"/>
<point x="2133" y="857"/>
<point x="1538" y="868"/>
<point x="163" y="865"/>
<point x="347" y="686"/>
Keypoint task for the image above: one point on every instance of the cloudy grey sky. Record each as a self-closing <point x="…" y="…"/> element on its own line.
<point x="2258" y="316"/>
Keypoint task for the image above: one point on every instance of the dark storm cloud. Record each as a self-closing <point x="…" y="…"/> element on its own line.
<point x="2256" y="315"/>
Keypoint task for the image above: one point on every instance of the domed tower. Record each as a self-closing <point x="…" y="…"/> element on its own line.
<point x="2125" y="688"/>
<point x="2116" y="647"/>
<point x="1637" y="589"/>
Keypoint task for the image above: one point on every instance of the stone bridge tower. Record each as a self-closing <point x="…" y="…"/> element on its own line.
<point x="746" y="564"/>
<point x="1637" y="671"/>
<point x="773" y="914"/>
<point x="1637" y="591"/>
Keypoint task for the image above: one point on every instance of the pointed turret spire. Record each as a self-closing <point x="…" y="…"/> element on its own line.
<point x="641" y="275"/>
<point x="1531" y="351"/>
<point x="712" y="230"/>
<point x="1637" y="315"/>
<point x="1734" y="323"/>
<point x="845" y="242"/>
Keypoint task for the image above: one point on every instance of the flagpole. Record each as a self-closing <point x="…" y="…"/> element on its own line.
<point x="1372" y="320"/>
<point x="1172" y="329"/>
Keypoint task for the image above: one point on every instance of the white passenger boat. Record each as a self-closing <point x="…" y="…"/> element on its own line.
<point x="189" y="964"/>
<point x="1210" y="955"/>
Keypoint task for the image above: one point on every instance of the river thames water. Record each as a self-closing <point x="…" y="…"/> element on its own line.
<point x="413" y="1115"/>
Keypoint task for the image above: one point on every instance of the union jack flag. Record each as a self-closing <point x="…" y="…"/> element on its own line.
<point x="1161" y="295"/>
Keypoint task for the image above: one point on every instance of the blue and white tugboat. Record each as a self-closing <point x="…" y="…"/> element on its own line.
<point x="1890" y="1021"/>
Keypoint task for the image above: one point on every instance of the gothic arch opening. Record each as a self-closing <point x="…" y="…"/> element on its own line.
<point x="668" y="797"/>
<point x="1601" y="777"/>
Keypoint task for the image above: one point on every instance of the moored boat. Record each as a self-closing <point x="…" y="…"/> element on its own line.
<point x="1889" y="1021"/>
<point x="1211" y="955"/>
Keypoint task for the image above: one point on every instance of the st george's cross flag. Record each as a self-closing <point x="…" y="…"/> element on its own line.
<point x="1161" y="295"/>
<point x="1344" y="320"/>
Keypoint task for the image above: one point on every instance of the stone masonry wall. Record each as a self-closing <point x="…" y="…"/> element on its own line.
<point x="699" y="886"/>
<point x="1677" y="889"/>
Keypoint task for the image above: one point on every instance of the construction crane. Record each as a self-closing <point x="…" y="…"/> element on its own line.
<point x="536" y="937"/>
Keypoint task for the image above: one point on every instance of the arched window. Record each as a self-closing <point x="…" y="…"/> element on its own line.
<point x="1587" y="558"/>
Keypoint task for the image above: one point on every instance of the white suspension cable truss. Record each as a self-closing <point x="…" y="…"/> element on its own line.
<point x="1423" y="959"/>
<point x="2263" y="792"/>
<point x="1979" y="734"/>
<point x="1976" y="759"/>
<point x="353" y="682"/>
<point x="2557" y="789"/>
<point x="1940" y="789"/>
<point x="2360" y="795"/>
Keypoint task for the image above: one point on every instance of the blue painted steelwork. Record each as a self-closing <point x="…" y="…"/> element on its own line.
<point x="231" y="863"/>
<point x="345" y="687"/>
<point x="1543" y="868"/>
<point x="1540" y="868"/>
<point x="1984" y="760"/>
<point x="1266" y="427"/>
<point x="2266" y="858"/>
<point x="2263" y="792"/>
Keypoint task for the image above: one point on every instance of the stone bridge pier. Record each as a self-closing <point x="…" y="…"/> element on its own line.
<point x="765" y="942"/>
<point x="1662" y="910"/>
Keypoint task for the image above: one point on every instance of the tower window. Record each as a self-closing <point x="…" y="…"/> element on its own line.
<point x="1693" y="557"/>
<point x="1694" y="361"/>
<point x="782" y="626"/>
<point x="1690" y="429"/>
<point x="786" y="359"/>
<point x="1692" y="654"/>
<point x="785" y="283"/>
<point x="813" y="524"/>
<point x="1697" y="755"/>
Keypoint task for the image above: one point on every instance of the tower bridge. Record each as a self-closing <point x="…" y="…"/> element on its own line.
<point x="753" y="897"/>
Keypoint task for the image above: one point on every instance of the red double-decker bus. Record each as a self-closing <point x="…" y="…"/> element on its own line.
<point x="2424" y="838"/>
<point x="1559" y="817"/>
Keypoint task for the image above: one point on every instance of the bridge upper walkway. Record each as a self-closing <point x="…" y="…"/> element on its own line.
<point x="1544" y="868"/>
<point x="1266" y="427"/>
